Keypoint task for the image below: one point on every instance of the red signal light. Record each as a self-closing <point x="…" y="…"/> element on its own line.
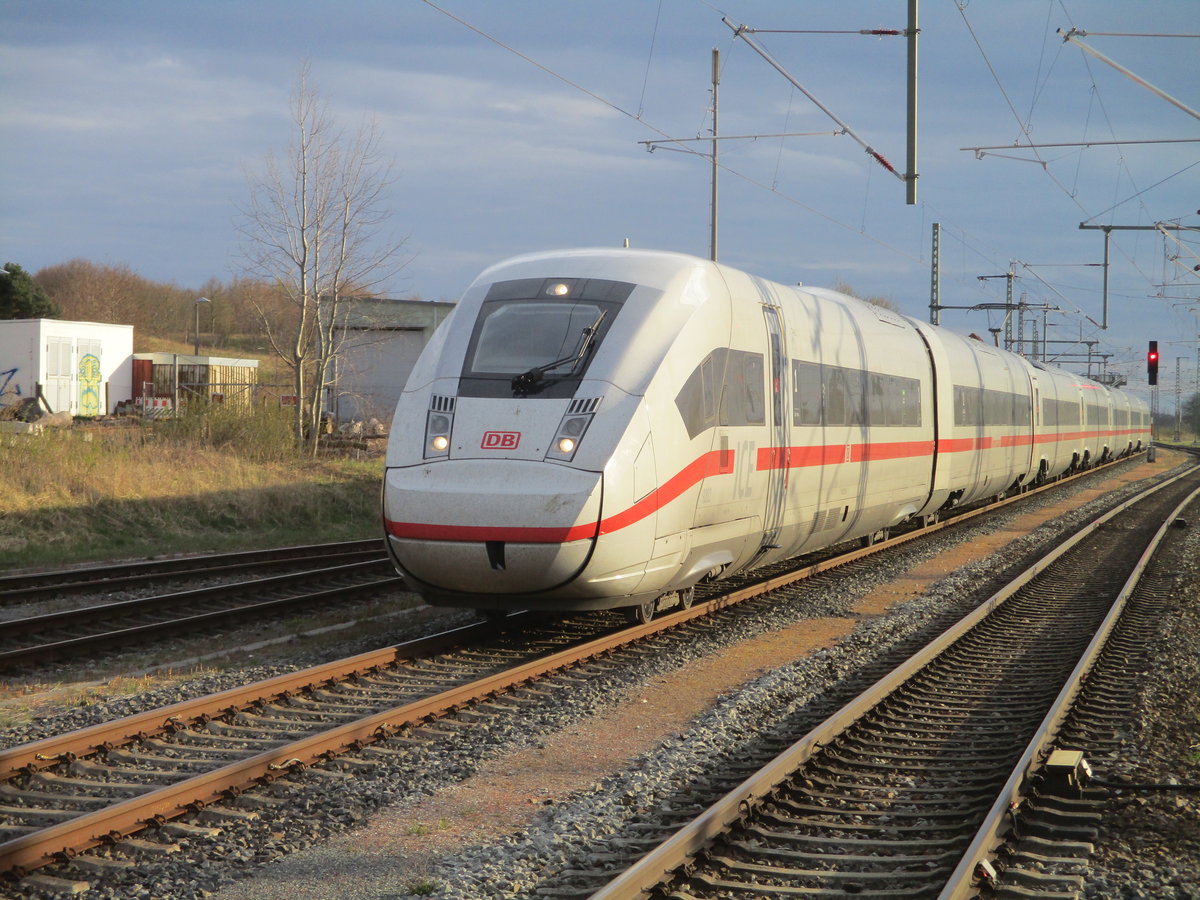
<point x="1152" y="363"/>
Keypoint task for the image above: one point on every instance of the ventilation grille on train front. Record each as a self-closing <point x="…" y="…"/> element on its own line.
<point x="438" y="403"/>
<point x="583" y="405"/>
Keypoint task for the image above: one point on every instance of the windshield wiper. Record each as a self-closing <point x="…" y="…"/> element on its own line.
<point x="531" y="382"/>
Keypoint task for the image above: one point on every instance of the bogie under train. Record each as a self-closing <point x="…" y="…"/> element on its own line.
<point x="604" y="428"/>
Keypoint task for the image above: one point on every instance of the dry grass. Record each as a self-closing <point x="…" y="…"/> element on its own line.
<point x="114" y="492"/>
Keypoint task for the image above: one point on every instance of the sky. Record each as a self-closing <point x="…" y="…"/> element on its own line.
<point x="132" y="131"/>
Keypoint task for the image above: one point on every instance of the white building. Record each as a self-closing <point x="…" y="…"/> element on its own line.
<point x="84" y="368"/>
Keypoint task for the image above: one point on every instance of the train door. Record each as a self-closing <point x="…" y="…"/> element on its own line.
<point x="780" y="422"/>
<point x="1034" y="466"/>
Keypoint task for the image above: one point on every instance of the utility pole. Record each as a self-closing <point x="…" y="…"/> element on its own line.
<point x="935" y="277"/>
<point x="1178" y="399"/>
<point x="910" y="172"/>
<point x="1021" y="327"/>
<point x="716" y="80"/>
<point x="1108" y="229"/>
<point x="1008" y="303"/>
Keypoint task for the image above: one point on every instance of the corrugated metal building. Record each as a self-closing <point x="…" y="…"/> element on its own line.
<point x="83" y="368"/>
<point x="380" y="343"/>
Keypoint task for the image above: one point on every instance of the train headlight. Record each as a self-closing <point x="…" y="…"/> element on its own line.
<point x="570" y="432"/>
<point x="437" y="434"/>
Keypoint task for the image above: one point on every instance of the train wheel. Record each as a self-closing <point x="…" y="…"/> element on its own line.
<point x="643" y="612"/>
<point x="686" y="598"/>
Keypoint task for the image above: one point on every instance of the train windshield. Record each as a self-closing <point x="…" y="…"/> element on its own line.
<point x="538" y="345"/>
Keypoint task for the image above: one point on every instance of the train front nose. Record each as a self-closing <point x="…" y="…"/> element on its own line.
<point x="484" y="529"/>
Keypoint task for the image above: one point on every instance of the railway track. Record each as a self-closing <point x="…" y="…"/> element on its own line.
<point x="31" y="586"/>
<point x="100" y="627"/>
<point x="350" y="570"/>
<point x="909" y="790"/>
<point x="98" y="787"/>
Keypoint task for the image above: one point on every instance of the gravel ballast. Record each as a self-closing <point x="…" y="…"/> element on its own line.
<point x="292" y="842"/>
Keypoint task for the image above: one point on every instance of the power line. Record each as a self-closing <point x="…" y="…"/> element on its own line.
<point x="1082" y="144"/>
<point x="879" y="241"/>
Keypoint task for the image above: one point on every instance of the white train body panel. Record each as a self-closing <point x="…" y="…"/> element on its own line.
<point x="720" y="422"/>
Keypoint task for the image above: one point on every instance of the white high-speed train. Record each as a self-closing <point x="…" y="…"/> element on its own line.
<point x="605" y="428"/>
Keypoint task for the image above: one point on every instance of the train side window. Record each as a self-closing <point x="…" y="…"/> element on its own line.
<point x="856" y="396"/>
<point x="835" y="396"/>
<point x="877" y="400"/>
<point x="696" y="399"/>
<point x="966" y="406"/>
<point x="725" y="389"/>
<point x="910" y="401"/>
<point x="806" y="393"/>
<point x="742" y="394"/>
<point x="845" y="396"/>
<point x="708" y="390"/>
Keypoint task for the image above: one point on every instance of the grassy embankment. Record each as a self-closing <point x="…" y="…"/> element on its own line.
<point x="209" y="482"/>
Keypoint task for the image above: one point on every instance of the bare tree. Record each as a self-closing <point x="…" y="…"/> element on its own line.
<point x="882" y="302"/>
<point x="314" y="227"/>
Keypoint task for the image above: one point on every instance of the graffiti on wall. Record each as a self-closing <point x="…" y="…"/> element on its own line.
<point x="10" y="389"/>
<point x="89" y="385"/>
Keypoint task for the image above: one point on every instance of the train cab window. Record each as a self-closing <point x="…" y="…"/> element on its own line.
<point x="725" y="389"/>
<point x="537" y="337"/>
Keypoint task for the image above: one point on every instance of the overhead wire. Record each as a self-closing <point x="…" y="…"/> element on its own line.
<point x="649" y="59"/>
<point x="544" y="68"/>
<point x="961" y="236"/>
<point x="1033" y="99"/>
<point x="641" y="120"/>
<point x="1071" y="193"/>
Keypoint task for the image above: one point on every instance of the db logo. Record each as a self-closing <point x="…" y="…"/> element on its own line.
<point x="501" y="440"/>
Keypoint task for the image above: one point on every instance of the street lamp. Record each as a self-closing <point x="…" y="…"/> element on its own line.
<point x="196" y="348"/>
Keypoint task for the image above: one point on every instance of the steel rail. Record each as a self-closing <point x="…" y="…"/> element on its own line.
<point x="998" y="823"/>
<point x="160" y="603"/>
<point x="142" y="605"/>
<point x="193" y="622"/>
<point x="27" y="585"/>
<point x="692" y="839"/>
<point x="83" y="742"/>
<point x="90" y="830"/>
